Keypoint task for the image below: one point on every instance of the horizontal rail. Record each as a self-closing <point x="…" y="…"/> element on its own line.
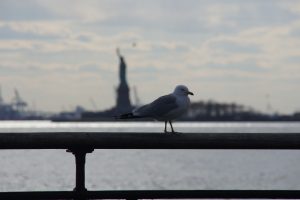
<point x="75" y="140"/>
<point x="157" y="194"/>
<point x="82" y="143"/>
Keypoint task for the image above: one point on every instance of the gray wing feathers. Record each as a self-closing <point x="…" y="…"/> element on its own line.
<point x="158" y="108"/>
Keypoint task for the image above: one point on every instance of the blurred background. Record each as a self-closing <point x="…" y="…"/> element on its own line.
<point x="60" y="55"/>
<point x="71" y="60"/>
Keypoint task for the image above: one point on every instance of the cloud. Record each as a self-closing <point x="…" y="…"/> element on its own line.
<point x="92" y="10"/>
<point x="29" y="34"/>
<point x="9" y="33"/>
<point x="209" y="43"/>
<point x="248" y="66"/>
<point x="293" y="6"/>
<point x="14" y="10"/>
<point x="235" y="47"/>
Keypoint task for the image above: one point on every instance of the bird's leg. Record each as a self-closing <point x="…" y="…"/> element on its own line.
<point x="166" y="127"/>
<point x="171" y="127"/>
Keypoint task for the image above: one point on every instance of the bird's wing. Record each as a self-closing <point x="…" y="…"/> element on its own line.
<point x="159" y="107"/>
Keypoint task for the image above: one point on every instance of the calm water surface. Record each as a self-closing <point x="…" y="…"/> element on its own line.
<point x="150" y="169"/>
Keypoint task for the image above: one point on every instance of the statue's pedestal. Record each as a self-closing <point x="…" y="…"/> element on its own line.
<point x="123" y="102"/>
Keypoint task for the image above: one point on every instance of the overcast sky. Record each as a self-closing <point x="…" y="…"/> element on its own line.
<point x="61" y="53"/>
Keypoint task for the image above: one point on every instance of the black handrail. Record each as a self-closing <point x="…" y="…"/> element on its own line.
<point x="156" y="194"/>
<point x="75" y="140"/>
<point x="81" y="143"/>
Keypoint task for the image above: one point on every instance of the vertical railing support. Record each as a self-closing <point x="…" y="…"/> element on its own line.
<point x="80" y="155"/>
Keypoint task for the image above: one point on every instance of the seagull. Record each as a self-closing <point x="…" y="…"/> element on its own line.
<point x="165" y="108"/>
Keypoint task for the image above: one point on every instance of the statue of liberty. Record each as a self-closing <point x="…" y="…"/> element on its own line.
<point x="123" y="101"/>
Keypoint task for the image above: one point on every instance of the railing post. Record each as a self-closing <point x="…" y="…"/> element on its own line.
<point x="80" y="155"/>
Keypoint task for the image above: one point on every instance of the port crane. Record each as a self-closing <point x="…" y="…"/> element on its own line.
<point x="1" y="98"/>
<point x="18" y="102"/>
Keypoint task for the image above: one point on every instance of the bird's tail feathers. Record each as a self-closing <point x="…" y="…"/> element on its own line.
<point x="128" y="116"/>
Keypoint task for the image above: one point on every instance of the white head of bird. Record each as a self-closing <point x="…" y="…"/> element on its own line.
<point x="182" y="90"/>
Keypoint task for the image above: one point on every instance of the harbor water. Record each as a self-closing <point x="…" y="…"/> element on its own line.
<point x="36" y="170"/>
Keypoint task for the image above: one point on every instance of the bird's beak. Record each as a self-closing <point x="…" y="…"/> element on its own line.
<point x="191" y="93"/>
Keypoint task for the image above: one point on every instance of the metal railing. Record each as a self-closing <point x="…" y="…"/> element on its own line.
<point x="82" y="143"/>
